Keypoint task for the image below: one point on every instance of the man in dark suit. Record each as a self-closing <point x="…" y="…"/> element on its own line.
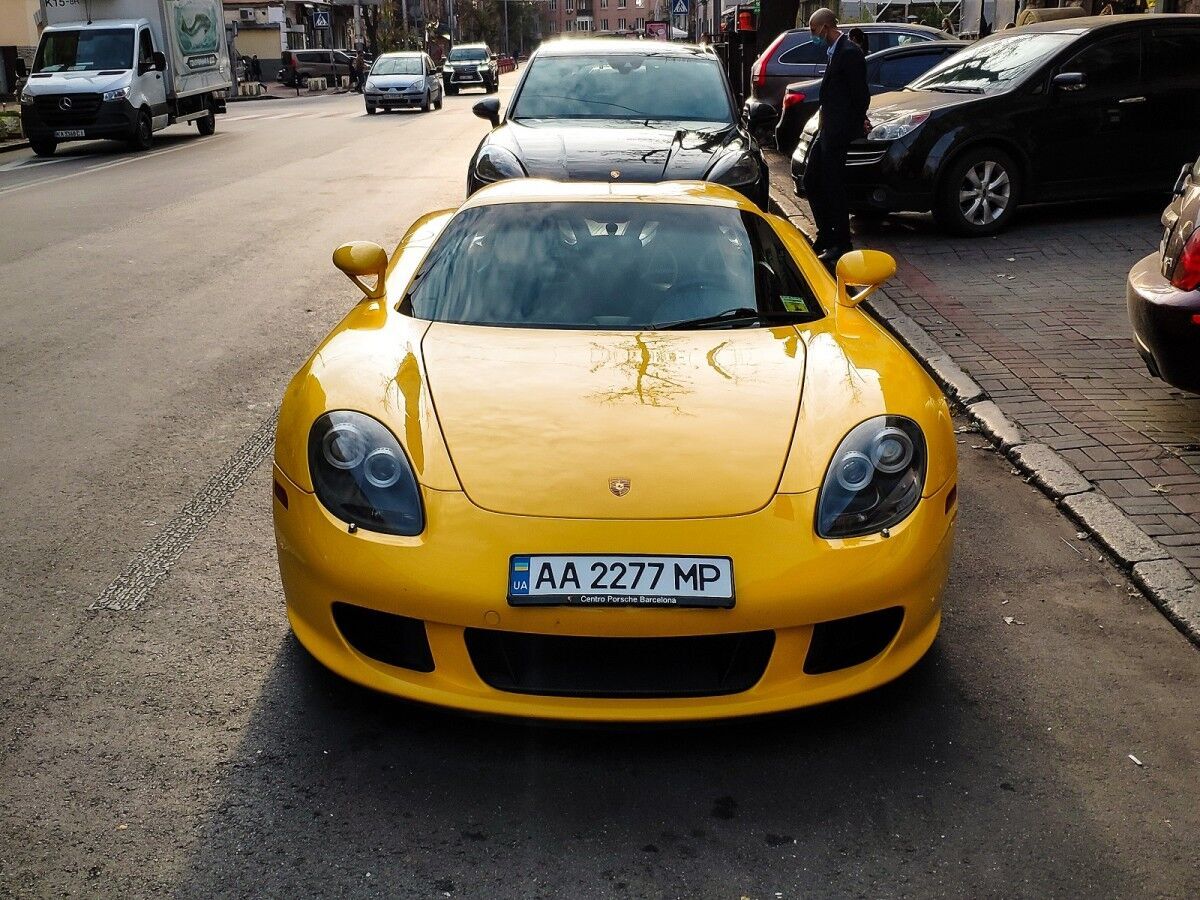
<point x="844" y="101"/>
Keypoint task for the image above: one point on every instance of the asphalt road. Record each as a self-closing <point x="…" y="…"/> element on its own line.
<point x="155" y="307"/>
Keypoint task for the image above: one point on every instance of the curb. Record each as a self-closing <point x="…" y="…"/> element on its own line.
<point x="1164" y="581"/>
<point x="14" y="145"/>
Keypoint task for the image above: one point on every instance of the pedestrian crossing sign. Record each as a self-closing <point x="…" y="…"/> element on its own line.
<point x="679" y="7"/>
<point x="321" y="19"/>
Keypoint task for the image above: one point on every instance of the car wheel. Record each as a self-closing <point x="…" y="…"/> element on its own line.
<point x="451" y="90"/>
<point x="43" y="148"/>
<point x="425" y="104"/>
<point x="208" y="124"/>
<point x="492" y="87"/>
<point x="143" y="132"/>
<point x="371" y="110"/>
<point x="438" y="103"/>
<point x="979" y="193"/>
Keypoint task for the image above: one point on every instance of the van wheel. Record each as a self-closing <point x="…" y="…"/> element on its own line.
<point x="43" y="148"/>
<point x="979" y="193"/>
<point x="208" y="124"/>
<point x="143" y="132"/>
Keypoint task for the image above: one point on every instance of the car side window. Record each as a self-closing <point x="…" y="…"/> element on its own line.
<point x="1109" y="65"/>
<point x="804" y="54"/>
<point x="903" y="69"/>
<point x="1171" y="58"/>
<point x="145" y="48"/>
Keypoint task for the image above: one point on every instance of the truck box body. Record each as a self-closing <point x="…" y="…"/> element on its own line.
<point x="191" y="34"/>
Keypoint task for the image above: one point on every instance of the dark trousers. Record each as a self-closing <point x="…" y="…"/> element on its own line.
<point x="825" y="185"/>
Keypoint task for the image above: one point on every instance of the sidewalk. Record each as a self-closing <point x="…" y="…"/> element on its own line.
<point x="277" y="91"/>
<point x="1036" y="317"/>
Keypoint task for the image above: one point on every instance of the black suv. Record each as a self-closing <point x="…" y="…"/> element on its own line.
<point x="471" y="65"/>
<point x="1065" y="110"/>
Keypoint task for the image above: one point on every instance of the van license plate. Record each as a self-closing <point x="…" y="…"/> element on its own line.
<point x="610" y="580"/>
<point x="73" y="133"/>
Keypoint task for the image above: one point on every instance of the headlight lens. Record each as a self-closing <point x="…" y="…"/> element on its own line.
<point x="26" y="98"/>
<point x="734" y="169"/>
<point x="875" y="480"/>
<point x="361" y="475"/>
<point x="447" y="68"/>
<point x="497" y="164"/>
<point x="118" y="94"/>
<point x="370" y="85"/>
<point x="896" y="128"/>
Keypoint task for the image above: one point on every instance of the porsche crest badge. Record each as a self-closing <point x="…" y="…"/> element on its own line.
<point x="619" y="486"/>
<point x="615" y="173"/>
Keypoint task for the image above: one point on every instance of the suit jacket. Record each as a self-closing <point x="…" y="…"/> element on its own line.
<point x="844" y="93"/>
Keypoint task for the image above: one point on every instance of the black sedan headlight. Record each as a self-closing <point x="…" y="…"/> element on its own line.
<point x="875" y="479"/>
<point x="734" y="169"/>
<point x="497" y="164"/>
<point x="361" y="474"/>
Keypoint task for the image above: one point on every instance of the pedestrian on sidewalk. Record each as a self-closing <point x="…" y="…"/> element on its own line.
<point x="356" y="72"/>
<point x="255" y="68"/>
<point x="843" y="107"/>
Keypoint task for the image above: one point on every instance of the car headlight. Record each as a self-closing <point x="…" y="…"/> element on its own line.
<point x="895" y="128"/>
<point x="118" y="94"/>
<point x="448" y="69"/>
<point x="371" y="85"/>
<point x="497" y="164"/>
<point x="361" y="475"/>
<point x="875" y="479"/>
<point x="26" y="98"/>
<point x="734" y="169"/>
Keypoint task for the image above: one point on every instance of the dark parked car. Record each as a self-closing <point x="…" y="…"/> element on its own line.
<point x="305" y="64"/>
<point x="793" y="56"/>
<point x="1163" y="291"/>
<point x="628" y="111"/>
<point x="1065" y="110"/>
<point x="887" y="70"/>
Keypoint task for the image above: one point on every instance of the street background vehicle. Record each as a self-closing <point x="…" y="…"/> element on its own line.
<point x="471" y="65"/>
<point x="300" y="65"/>
<point x="403" y="81"/>
<point x="131" y="68"/>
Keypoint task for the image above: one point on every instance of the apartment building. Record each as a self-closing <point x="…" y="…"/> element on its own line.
<point x="602" y="16"/>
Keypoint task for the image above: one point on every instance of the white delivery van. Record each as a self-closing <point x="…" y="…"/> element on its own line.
<point x="125" y="69"/>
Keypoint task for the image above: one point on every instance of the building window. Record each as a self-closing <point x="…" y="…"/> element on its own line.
<point x="570" y="5"/>
<point x="554" y="4"/>
<point x="604" y="24"/>
<point x="621" y="24"/>
<point x="641" y="24"/>
<point x="621" y="4"/>
<point x="604" y="4"/>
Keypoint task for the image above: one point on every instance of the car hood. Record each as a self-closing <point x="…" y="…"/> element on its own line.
<point x="901" y="102"/>
<point x="77" y="82"/>
<point x="397" y="81"/>
<point x="591" y="151"/>
<point x="537" y="422"/>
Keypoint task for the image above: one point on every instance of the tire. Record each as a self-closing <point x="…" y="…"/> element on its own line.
<point x="979" y="192"/>
<point x="142" y="138"/>
<point x="371" y="110"/>
<point x="43" y="148"/>
<point x="452" y="91"/>
<point x="425" y="104"/>
<point x="207" y="125"/>
<point x="438" y="103"/>
<point x="492" y="86"/>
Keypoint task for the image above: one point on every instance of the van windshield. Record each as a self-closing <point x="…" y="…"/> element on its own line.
<point x="85" y="51"/>
<point x="991" y="66"/>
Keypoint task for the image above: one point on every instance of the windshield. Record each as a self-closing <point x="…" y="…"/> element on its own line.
<point x="624" y="86"/>
<point x="608" y="266"/>
<point x="468" y="54"/>
<point x="85" y="51"/>
<point x="399" y="65"/>
<point x="991" y="67"/>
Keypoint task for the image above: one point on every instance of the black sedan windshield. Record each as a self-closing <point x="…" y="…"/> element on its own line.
<point x="90" y="50"/>
<point x="609" y="266"/>
<point x="624" y="86"/>
<point x="991" y="67"/>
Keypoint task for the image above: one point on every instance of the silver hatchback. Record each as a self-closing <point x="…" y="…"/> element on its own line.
<point x="403" y="81"/>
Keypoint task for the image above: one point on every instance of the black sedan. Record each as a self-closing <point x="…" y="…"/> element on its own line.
<point x="1065" y="110"/>
<point x="614" y="110"/>
<point x="887" y="70"/>
<point x="1163" y="292"/>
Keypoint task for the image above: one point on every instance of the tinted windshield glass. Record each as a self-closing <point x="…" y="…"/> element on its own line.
<point x="990" y="67"/>
<point x="624" y="86"/>
<point x="468" y="54"/>
<point x="605" y="266"/>
<point x="403" y="65"/>
<point x="85" y="51"/>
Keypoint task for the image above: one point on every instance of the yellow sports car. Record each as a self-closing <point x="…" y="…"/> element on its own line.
<point x="613" y="452"/>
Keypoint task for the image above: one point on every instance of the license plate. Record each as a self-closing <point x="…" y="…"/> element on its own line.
<point x="75" y="132"/>
<point x="612" y="580"/>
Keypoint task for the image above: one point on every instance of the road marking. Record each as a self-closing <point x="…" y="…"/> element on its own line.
<point x="280" y="116"/>
<point x="34" y="163"/>
<point x="154" y="562"/>
<point x="119" y="162"/>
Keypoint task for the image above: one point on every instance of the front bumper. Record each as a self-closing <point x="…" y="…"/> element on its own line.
<point x="452" y="579"/>
<point x="467" y="79"/>
<point x="394" y="100"/>
<point x="1164" y="331"/>
<point x="111" y="119"/>
<point x="880" y="175"/>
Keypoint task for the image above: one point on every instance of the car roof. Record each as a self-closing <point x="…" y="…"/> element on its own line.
<point x="392" y="54"/>
<point x="533" y="191"/>
<point x="475" y="46"/>
<point x="921" y="47"/>
<point x="880" y="26"/>
<point x="1085" y="24"/>
<point x="617" y="45"/>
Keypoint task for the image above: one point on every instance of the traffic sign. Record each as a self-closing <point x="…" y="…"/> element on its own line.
<point x="320" y="19"/>
<point x="679" y="7"/>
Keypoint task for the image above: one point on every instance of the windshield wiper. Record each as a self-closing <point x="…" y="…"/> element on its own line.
<point x="741" y="315"/>
<point x="949" y="89"/>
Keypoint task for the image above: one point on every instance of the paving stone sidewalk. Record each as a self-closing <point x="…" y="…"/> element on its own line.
<point x="1036" y="315"/>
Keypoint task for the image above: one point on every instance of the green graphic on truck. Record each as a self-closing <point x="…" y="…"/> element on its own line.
<point x="197" y="31"/>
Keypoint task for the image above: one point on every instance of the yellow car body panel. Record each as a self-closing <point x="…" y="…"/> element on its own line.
<point x="776" y="403"/>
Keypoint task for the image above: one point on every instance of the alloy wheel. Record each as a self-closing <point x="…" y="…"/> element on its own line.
<point x="985" y="193"/>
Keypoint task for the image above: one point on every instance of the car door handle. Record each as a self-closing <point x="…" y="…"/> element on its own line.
<point x="1132" y="100"/>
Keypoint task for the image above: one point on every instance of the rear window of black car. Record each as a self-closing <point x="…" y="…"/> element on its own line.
<point x="606" y="266"/>
<point x="624" y="86"/>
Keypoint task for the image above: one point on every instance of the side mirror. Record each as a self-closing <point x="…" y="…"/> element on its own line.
<point x="160" y="61"/>
<point x="867" y="269"/>
<point x="1069" y="81"/>
<point x="363" y="259"/>
<point x="20" y="68"/>
<point x="488" y="109"/>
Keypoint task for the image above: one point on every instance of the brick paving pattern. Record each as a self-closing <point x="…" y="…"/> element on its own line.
<point x="1036" y="315"/>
